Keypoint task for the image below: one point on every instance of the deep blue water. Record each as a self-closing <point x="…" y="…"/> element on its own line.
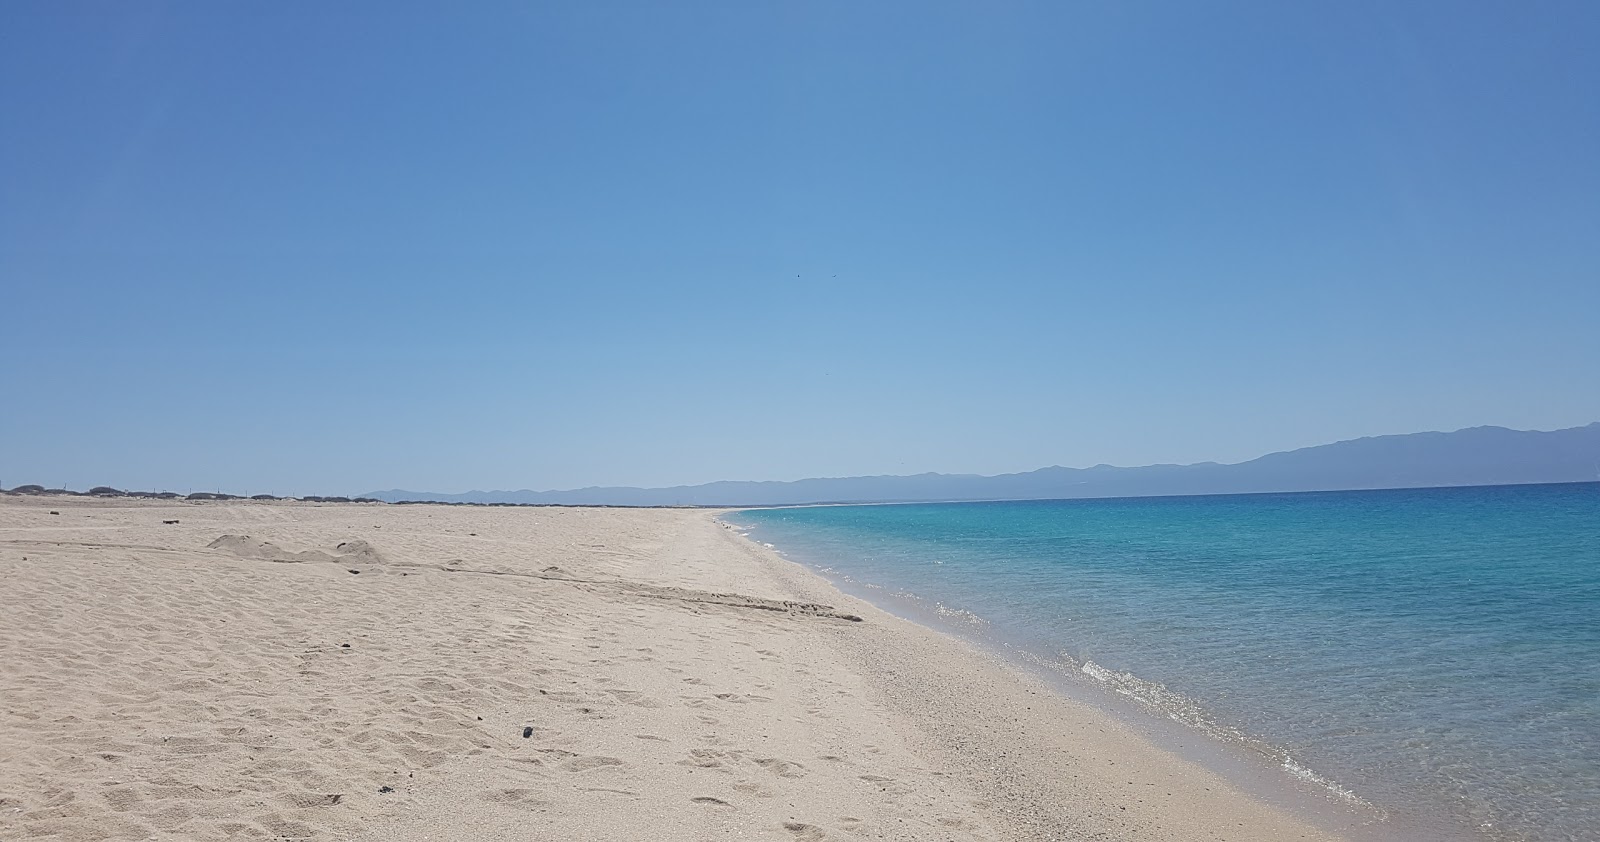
<point x="1434" y="653"/>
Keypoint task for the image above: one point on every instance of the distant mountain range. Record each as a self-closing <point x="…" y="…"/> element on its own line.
<point x="1474" y="456"/>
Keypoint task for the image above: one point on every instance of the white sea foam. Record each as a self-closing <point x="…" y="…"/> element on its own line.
<point x="960" y="615"/>
<point x="1301" y="773"/>
<point x="1160" y="699"/>
<point x="1156" y="697"/>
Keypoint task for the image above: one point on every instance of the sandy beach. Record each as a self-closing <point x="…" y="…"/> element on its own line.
<point x="282" y="670"/>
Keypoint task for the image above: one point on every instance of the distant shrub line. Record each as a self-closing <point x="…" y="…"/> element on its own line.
<point x="108" y="491"/>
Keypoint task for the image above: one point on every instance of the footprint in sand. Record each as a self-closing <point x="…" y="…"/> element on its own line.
<point x="803" y="831"/>
<point x="584" y="764"/>
<point x="756" y="789"/>
<point x="122" y="800"/>
<point x="781" y="768"/>
<point x="303" y="800"/>
<point x="635" y="698"/>
<point x="516" y="797"/>
<point x="702" y="758"/>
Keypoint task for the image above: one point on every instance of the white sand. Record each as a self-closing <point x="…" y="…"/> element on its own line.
<point x="153" y="685"/>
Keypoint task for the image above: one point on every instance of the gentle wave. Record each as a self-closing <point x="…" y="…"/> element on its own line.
<point x="1152" y="696"/>
<point x="1157" y="698"/>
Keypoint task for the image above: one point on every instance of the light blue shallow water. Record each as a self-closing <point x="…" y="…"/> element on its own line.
<point x="1434" y="652"/>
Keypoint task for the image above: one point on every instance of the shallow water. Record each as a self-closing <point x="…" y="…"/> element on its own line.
<point x="1434" y="653"/>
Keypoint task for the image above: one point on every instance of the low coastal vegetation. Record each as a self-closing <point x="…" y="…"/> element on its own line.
<point x="108" y="491"/>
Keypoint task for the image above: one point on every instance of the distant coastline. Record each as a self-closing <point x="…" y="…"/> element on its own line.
<point x="1472" y="457"/>
<point x="1476" y="456"/>
<point x="107" y="492"/>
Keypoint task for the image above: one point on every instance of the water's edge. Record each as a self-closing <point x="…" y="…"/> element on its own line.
<point x="1265" y="772"/>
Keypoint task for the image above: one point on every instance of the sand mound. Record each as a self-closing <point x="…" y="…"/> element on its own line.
<point x="345" y="552"/>
<point x="357" y="552"/>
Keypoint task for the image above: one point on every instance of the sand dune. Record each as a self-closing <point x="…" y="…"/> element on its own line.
<point x="273" y="670"/>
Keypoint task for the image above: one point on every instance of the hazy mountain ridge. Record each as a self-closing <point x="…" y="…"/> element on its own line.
<point x="1472" y="456"/>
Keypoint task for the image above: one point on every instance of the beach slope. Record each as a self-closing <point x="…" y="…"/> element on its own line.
<point x="272" y="670"/>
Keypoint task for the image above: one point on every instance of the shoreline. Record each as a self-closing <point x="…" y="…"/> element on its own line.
<point x="1262" y="770"/>
<point x="1255" y="776"/>
<point x="265" y="669"/>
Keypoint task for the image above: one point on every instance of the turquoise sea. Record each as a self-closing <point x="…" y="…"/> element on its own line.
<point x="1430" y="655"/>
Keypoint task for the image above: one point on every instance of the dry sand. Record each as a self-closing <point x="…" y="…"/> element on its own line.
<point x="298" y="671"/>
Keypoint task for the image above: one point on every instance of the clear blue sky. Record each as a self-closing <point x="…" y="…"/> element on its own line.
<point x="299" y="247"/>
